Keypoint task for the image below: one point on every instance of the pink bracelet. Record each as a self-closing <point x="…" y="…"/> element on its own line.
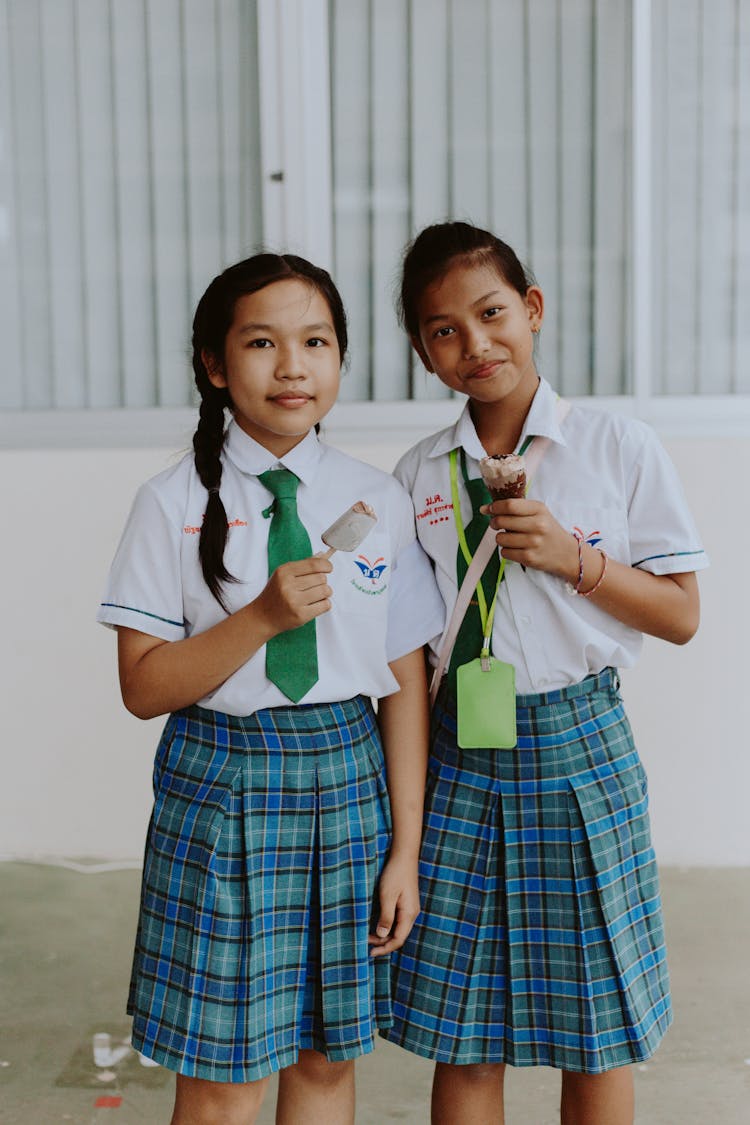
<point x="600" y="579"/>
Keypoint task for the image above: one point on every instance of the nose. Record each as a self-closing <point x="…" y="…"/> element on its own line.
<point x="475" y="342"/>
<point x="291" y="365"/>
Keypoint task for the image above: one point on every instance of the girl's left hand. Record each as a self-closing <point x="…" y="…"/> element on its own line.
<point x="398" y="892"/>
<point x="529" y="534"/>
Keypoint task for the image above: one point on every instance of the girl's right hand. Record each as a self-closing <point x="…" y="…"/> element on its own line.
<point x="295" y="593"/>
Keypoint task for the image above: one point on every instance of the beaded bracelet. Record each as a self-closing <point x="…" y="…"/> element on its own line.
<point x="600" y="579"/>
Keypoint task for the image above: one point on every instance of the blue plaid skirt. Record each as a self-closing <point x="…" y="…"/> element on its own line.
<point x="540" y="940"/>
<point x="265" y="845"/>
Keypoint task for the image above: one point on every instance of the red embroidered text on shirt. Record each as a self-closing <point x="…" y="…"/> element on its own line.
<point x="436" y="510"/>
<point x="188" y="530"/>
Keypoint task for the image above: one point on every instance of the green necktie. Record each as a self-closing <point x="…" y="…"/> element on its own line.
<point x="291" y="657"/>
<point x="469" y="640"/>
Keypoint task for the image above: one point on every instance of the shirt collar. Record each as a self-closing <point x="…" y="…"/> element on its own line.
<point x="541" y="421"/>
<point x="250" y="457"/>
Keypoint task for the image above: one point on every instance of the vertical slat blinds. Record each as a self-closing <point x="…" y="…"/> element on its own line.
<point x="130" y="172"/>
<point x="128" y="177"/>
<point x="701" y="126"/>
<point x="516" y="114"/>
<point x="511" y="113"/>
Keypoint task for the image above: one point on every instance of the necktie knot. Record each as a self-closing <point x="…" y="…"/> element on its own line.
<point x="281" y="483"/>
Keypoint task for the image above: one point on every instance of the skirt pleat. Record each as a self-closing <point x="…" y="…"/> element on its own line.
<point x="265" y="845"/>
<point x="540" y="940"/>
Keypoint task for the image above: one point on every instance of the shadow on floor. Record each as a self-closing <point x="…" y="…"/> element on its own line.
<point x="65" y="949"/>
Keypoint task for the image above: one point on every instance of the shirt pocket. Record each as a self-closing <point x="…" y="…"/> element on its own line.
<point x="603" y="527"/>
<point x="361" y="578"/>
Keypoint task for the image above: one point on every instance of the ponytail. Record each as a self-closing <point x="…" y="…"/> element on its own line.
<point x="207" y="444"/>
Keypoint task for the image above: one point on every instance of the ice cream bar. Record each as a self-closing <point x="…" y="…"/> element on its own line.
<point x="347" y="532"/>
<point x="505" y="475"/>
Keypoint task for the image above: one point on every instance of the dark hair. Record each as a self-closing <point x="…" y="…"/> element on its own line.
<point x="437" y="248"/>
<point x="211" y="323"/>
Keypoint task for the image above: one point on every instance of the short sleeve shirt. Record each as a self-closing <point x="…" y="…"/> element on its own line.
<point x="385" y="602"/>
<point x="604" y="477"/>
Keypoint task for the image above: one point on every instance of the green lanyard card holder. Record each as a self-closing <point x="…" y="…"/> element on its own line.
<point x="485" y="687"/>
<point x="486" y="704"/>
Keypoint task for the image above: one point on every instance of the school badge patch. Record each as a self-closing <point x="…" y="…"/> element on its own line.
<point x="370" y="577"/>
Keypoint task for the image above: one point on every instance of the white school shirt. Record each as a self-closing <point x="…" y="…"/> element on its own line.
<point x="385" y="602"/>
<point x="604" y="476"/>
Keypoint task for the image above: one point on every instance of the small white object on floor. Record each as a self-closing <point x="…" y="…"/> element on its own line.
<point x="119" y="1053"/>
<point x="102" y="1047"/>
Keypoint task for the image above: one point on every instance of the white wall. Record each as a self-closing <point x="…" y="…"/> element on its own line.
<point x="76" y="767"/>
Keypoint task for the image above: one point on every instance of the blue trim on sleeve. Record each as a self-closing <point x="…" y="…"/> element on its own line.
<point x="669" y="555"/>
<point x="131" y="609"/>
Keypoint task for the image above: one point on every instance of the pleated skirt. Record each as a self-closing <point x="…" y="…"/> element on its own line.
<point x="264" y="849"/>
<point x="540" y="940"/>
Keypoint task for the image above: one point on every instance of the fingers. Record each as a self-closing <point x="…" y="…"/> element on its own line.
<point x="315" y="564"/>
<point x="534" y="539"/>
<point x="512" y="508"/>
<point x="313" y="582"/>
<point x="296" y="593"/>
<point x="395" y="937"/>
<point x="305" y="574"/>
<point x="397" y="916"/>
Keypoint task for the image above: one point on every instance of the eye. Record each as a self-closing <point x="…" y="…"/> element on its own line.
<point x="316" y="342"/>
<point x="493" y="310"/>
<point x="261" y="342"/>
<point x="441" y="333"/>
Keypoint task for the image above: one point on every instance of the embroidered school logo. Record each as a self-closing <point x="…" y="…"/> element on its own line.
<point x="591" y="537"/>
<point x="371" y="571"/>
<point x="436" y="509"/>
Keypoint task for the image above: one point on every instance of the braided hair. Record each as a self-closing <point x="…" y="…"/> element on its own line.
<point x="213" y="319"/>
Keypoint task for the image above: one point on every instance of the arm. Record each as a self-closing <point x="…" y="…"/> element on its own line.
<point x="403" y="719"/>
<point x="158" y="676"/>
<point x="663" y="605"/>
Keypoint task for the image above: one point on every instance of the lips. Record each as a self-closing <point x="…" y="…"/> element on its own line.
<point x="485" y="370"/>
<point x="290" y="401"/>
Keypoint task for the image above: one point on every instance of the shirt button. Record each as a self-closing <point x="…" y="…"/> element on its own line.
<point x="525" y="620"/>
<point x="543" y="681"/>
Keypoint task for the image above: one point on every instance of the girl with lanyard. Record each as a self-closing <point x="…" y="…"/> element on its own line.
<point x="273" y="887"/>
<point x="540" y="940"/>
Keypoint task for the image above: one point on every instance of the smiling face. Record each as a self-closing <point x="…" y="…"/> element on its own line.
<point x="476" y="334"/>
<point x="281" y="363"/>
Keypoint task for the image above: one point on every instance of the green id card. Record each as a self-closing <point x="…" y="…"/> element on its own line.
<point x="486" y="703"/>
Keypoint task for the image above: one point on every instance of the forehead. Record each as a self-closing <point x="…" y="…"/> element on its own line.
<point x="461" y="287"/>
<point x="289" y="303"/>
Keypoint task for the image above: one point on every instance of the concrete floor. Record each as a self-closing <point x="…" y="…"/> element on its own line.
<point x="65" y="942"/>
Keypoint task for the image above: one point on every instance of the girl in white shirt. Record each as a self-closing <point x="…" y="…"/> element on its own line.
<point x="275" y="882"/>
<point x="540" y="940"/>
